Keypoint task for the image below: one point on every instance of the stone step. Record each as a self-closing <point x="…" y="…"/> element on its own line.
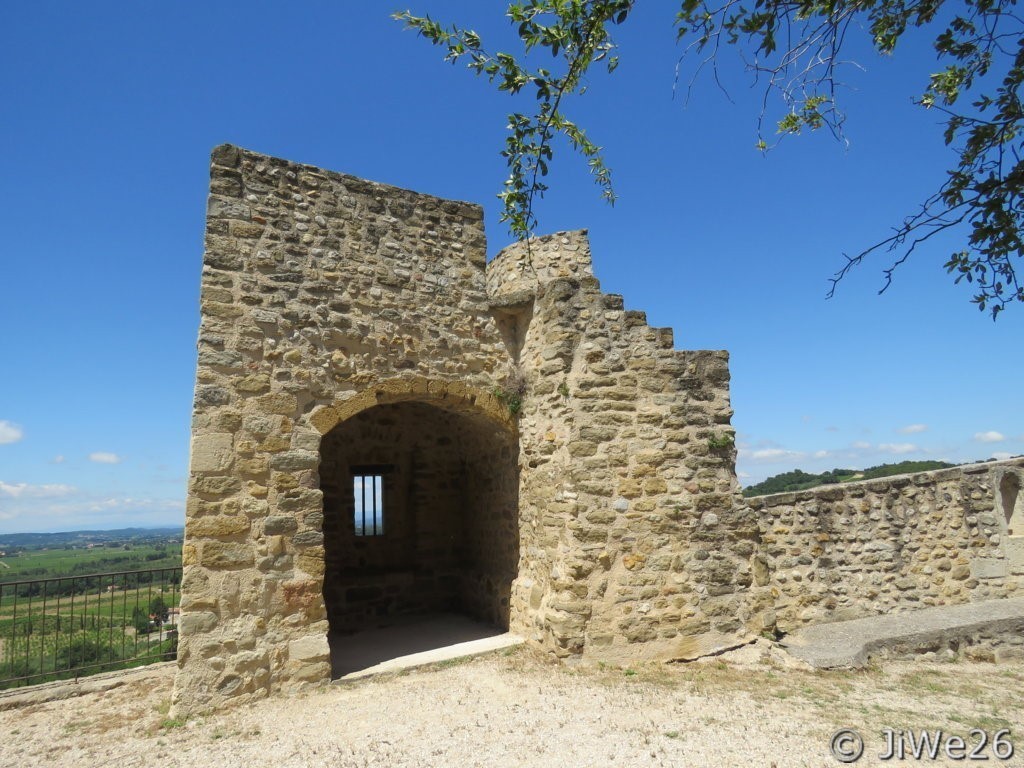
<point x="852" y="643"/>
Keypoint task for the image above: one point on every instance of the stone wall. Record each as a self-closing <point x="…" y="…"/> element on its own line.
<point x="550" y="462"/>
<point x="323" y="295"/>
<point x="628" y="470"/>
<point x="346" y="323"/>
<point x="857" y="549"/>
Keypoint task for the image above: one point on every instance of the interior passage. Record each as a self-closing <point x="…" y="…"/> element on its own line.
<point x="420" y="517"/>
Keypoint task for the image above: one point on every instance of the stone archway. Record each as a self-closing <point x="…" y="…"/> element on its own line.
<point x="420" y="496"/>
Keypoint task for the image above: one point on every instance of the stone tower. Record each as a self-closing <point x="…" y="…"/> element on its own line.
<point x="385" y="424"/>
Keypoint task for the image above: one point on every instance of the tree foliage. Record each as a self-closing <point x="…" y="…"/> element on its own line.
<point x="140" y="621"/>
<point x="798" y="480"/>
<point x="577" y="36"/>
<point x="794" y="47"/>
<point x="158" y="610"/>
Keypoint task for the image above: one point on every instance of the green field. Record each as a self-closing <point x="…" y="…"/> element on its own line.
<point x="54" y="563"/>
<point x="99" y="629"/>
<point x="78" y="609"/>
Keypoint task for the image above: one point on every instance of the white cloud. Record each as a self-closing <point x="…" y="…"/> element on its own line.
<point x="80" y="511"/>
<point x="26" y="491"/>
<point x="831" y="429"/>
<point x="10" y="433"/>
<point x="989" y="437"/>
<point x="897" y="447"/>
<point x="822" y="454"/>
<point x="105" y="458"/>
<point x="860" y="445"/>
<point x="115" y="504"/>
<point x="1002" y="455"/>
<point x="58" y="459"/>
<point x="912" y="429"/>
<point x="774" y="454"/>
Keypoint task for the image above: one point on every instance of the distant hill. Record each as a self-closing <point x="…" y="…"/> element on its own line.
<point x="84" y="538"/>
<point x="798" y="480"/>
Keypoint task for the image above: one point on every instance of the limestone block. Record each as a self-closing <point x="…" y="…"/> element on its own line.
<point x="217" y="554"/>
<point x="192" y="623"/>
<point x="217" y="526"/>
<point x="253" y="384"/>
<point x="307" y="672"/>
<point x="291" y="461"/>
<point x="989" y="568"/>
<point x="280" y="524"/>
<point x="310" y="648"/>
<point x="211" y="452"/>
<point x="215" y="486"/>
<point x="311" y="561"/>
<point x="281" y="403"/>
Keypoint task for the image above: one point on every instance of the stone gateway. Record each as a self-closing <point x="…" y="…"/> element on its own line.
<point x="385" y="424"/>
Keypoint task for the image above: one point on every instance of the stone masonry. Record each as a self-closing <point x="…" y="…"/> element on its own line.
<point x="545" y="460"/>
<point x="858" y="549"/>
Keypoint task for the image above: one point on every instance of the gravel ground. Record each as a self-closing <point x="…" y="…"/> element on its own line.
<point x="517" y="709"/>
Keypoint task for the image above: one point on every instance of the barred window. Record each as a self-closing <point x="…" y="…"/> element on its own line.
<point x="368" y="495"/>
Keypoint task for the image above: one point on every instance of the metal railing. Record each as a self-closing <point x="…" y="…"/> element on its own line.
<point x="63" y="628"/>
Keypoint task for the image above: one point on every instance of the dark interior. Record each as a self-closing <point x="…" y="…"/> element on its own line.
<point x="447" y="538"/>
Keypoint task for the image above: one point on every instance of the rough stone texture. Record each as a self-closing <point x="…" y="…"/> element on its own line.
<point x="852" y="550"/>
<point x="555" y="466"/>
<point x="639" y="548"/>
<point x="550" y="462"/>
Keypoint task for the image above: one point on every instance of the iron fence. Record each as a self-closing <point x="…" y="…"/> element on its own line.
<point x="68" y="627"/>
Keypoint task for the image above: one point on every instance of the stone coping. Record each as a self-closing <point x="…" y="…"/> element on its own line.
<point x="66" y="689"/>
<point x="835" y="491"/>
<point x="850" y="643"/>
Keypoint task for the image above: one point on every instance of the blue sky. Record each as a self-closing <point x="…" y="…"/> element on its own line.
<point x="109" y="112"/>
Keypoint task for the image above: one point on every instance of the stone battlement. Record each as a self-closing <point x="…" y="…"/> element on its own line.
<point x="384" y="425"/>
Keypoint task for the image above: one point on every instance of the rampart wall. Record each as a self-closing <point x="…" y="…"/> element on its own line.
<point x="323" y="295"/>
<point x="547" y="460"/>
<point x="911" y="541"/>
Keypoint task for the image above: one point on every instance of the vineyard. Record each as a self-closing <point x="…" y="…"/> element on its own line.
<point x="80" y="623"/>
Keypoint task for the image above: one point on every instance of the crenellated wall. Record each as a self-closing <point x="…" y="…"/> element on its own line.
<point x="643" y="550"/>
<point x="550" y="462"/>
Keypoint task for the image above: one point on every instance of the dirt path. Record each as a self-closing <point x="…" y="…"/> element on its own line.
<point x="520" y="710"/>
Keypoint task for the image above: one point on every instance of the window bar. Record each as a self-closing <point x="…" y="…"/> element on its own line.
<point x="14" y="626"/>
<point x="362" y="483"/>
<point x="71" y="622"/>
<point x="56" y="628"/>
<point x="42" y="638"/>
<point x="373" y="482"/>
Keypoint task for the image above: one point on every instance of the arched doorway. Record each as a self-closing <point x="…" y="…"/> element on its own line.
<point x="420" y="518"/>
